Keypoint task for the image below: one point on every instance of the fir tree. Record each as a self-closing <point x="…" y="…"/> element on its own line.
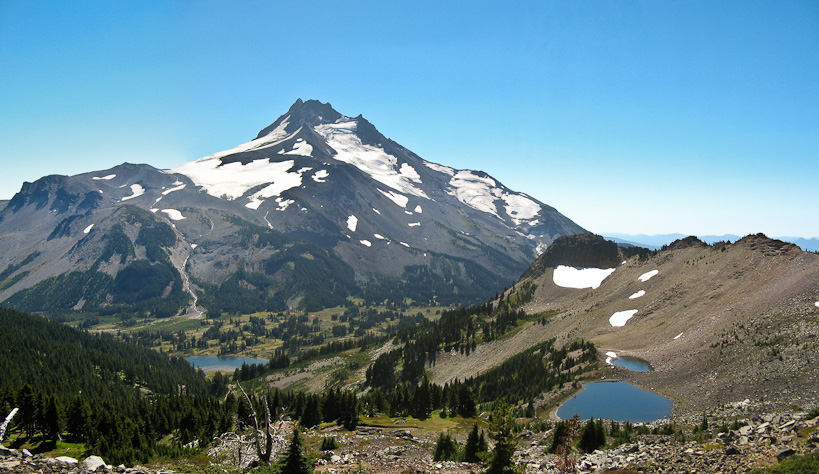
<point x="296" y="460"/>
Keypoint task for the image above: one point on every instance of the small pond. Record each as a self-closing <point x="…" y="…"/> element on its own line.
<point x="221" y="363"/>
<point x="632" y="363"/>
<point x="619" y="401"/>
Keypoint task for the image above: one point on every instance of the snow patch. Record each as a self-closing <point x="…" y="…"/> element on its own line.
<point x="374" y="161"/>
<point x="418" y="209"/>
<point x="678" y="336"/>
<point x="520" y="208"/>
<point x="173" y="214"/>
<point x="193" y="246"/>
<point x="610" y="356"/>
<point x="377" y="211"/>
<point x="88" y="229"/>
<point x="398" y="199"/>
<point x="283" y="203"/>
<point x="404" y="244"/>
<point x="579" y="278"/>
<point x="136" y="190"/>
<point x="352" y="223"/>
<point x="817" y="304"/>
<point x="620" y="318"/>
<point x="414" y="224"/>
<point x="475" y="191"/>
<point x="647" y="276"/>
<point x="366" y="243"/>
<point x="320" y="176"/>
<point x="637" y="295"/>
<point x="104" y="178"/>
<point x="278" y="135"/>
<point x="301" y="148"/>
<point x="379" y="237"/>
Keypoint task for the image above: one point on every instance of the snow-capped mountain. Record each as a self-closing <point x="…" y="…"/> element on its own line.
<point x="317" y="208"/>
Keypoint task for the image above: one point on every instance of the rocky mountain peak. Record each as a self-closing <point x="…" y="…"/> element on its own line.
<point x="310" y="113"/>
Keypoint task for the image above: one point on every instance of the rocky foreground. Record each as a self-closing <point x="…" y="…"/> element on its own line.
<point x="763" y="441"/>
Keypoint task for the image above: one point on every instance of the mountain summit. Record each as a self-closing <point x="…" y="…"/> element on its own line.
<point x="319" y="207"/>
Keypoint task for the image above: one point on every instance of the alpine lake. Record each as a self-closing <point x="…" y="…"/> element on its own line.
<point x="617" y="400"/>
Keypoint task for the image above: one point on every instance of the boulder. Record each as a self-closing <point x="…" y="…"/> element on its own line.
<point x="66" y="459"/>
<point x="785" y="454"/>
<point x="93" y="462"/>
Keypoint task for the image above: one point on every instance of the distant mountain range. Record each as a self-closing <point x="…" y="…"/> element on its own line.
<point x="319" y="207"/>
<point x="654" y="242"/>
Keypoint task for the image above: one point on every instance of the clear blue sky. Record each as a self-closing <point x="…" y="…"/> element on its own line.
<point x="696" y="117"/>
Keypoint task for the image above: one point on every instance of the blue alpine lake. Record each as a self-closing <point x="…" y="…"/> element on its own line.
<point x="221" y="363"/>
<point x="632" y="363"/>
<point x="619" y="401"/>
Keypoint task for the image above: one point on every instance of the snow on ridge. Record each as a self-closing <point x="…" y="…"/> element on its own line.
<point x="104" y="178"/>
<point x="352" y="223"/>
<point x="570" y="277"/>
<point x="637" y="295"/>
<point x="647" y="276"/>
<point x="276" y="136"/>
<point x="440" y="168"/>
<point x="173" y="214"/>
<point x="88" y="229"/>
<point x="620" y="318"/>
<point x="374" y="161"/>
<point x="136" y="190"/>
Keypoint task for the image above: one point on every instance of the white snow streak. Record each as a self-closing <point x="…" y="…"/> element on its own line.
<point x="137" y="191"/>
<point x="177" y="188"/>
<point x="273" y="138"/>
<point x="570" y="277"/>
<point x="414" y="224"/>
<point x="352" y="223"/>
<point x="647" y="276"/>
<point x="678" y="336"/>
<point x="283" y="204"/>
<point x="366" y="243"/>
<point x="637" y="295"/>
<point x="104" y="178"/>
<point x="379" y="237"/>
<point x="404" y="244"/>
<point x="88" y="229"/>
<point x="620" y="318"/>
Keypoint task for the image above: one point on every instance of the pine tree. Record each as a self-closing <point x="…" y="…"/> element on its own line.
<point x="296" y="460"/>
<point x="474" y="444"/>
<point x="501" y="429"/>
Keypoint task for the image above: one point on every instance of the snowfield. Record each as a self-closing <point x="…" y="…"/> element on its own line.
<point x="233" y="180"/>
<point x="610" y="356"/>
<point x="570" y="277"/>
<point x="366" y="243"/>
<point x="440" y="168"/>
<point x="352" y="223"/>
<point x="88" y="229"/>
<point x="273" y="138"/>
<point x="637" y="295"/>
<point x="301" y="148"/>
<point x="647" y="276"/>
<point x="481" y="193"/>
<point x="620" y="318"/>
<point x="136" y="190"/>
<point x="320" y="176"/>
<point x="104" y="178"/>
<point x="178" y="187"/>
<point x="398" y="199"/>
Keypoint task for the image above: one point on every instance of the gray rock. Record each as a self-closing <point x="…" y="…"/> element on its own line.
<point x="26" y="453"/>
<point x="93" y="462"/>
<point x="785" y="454"/>
<point x="66" y="459"/>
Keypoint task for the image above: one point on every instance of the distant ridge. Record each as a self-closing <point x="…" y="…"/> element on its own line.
<point x="656" y="241"/>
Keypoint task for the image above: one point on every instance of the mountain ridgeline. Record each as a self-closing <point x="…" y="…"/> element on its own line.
<point x="318" y="208"/>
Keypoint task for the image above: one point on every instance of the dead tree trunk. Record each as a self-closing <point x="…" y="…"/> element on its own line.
<point x="264" y="456"/>
<point x="6" y="423"/>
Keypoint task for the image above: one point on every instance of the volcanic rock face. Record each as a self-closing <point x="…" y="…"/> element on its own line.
<point x="317" y="208"/>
